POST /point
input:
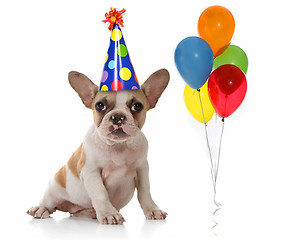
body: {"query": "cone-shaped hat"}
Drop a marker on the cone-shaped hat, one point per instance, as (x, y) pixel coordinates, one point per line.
(118, 73)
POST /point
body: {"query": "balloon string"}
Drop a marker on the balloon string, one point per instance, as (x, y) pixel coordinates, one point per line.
(208, 145)
(218, 205)
(219, 149)
(214, 165)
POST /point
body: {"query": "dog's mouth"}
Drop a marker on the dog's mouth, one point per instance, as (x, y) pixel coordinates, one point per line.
(117, 132)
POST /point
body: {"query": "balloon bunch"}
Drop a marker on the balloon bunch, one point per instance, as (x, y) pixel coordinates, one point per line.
(211, 56)
(213, 70)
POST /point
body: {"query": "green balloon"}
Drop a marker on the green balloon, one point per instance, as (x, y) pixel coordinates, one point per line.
(232, 55)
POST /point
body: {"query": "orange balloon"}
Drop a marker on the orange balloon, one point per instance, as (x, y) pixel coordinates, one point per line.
(216, 26)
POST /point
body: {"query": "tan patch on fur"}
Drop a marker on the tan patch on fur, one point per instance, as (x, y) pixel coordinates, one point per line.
(108, 98)
(139, 96)
(60, 177)
(77, 161)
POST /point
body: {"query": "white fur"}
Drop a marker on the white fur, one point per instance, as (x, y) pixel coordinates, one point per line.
(121, 99)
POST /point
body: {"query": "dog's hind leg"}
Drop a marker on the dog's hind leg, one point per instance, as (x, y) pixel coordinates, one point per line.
(87, 212)
(53, 196)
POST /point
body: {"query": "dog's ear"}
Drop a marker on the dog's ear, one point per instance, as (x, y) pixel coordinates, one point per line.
(83, 86)
(155, 85)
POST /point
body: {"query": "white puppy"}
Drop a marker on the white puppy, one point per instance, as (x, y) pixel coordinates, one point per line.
(100, 177)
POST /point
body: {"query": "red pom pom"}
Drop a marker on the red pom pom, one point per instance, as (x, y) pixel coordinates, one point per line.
(114, 16)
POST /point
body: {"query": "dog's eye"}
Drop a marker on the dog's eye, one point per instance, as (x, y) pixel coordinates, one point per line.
(100, 106)
(137, 107)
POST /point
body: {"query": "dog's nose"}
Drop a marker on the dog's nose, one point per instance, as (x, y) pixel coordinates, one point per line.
(118, 119)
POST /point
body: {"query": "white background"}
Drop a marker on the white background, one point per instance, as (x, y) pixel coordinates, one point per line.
(43, 120)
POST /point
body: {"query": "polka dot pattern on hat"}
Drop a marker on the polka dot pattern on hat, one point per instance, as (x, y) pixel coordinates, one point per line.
(118, 73)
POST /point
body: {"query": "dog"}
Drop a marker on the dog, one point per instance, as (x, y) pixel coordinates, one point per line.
(102, 174)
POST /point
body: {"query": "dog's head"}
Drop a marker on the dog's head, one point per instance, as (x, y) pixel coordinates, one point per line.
(120, 115)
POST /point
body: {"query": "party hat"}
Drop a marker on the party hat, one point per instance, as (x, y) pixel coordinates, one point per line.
(118, 72)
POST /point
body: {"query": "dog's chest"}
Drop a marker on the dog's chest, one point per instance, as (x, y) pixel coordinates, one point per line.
(120, 165)
(113, 174)
(119, 180)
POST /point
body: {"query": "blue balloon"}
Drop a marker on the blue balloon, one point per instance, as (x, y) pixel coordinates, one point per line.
(194, 61)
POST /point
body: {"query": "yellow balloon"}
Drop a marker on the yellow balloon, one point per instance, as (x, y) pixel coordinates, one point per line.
(193, 105)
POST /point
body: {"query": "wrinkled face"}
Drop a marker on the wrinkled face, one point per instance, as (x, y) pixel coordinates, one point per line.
(119, 115)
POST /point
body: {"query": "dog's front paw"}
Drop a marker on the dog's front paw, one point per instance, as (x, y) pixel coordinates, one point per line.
(155, 214)
(111, 216)
(39, 212)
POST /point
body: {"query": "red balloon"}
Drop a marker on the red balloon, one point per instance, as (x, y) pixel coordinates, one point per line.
(227, 88)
